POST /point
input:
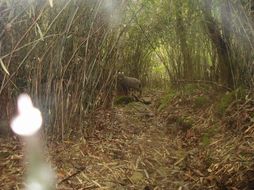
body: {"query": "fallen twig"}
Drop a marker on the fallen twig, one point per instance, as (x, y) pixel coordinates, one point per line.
(72, 175)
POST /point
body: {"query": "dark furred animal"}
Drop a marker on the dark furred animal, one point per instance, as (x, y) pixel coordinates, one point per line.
(128, 83)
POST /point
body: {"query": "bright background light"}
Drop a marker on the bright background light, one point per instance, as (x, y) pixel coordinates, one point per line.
(29, 119)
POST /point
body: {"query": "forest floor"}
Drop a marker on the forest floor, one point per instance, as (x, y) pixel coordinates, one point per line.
(180, 144)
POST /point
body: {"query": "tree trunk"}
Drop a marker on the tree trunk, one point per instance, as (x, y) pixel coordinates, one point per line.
(181, 32)
(220, 43)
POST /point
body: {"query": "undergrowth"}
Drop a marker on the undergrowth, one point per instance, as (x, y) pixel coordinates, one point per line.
(221, 133)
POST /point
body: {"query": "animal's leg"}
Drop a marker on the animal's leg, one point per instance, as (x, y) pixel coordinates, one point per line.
(126, 91)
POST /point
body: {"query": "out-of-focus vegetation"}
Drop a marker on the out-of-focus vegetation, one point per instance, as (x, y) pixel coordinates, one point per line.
(63, 56)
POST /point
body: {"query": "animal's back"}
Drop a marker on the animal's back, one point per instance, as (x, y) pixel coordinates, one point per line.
(132, 83)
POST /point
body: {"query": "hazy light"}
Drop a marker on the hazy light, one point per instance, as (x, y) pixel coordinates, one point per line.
(34, 186)
(113, 13)
(40, 174)
(46, 174)
(29, 119)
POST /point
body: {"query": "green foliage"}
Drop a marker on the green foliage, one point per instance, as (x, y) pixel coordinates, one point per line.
(227, 98)
(205, 139)
(241, 93)
(166, 99)
(186, 90)
(184, 123)
(224, 102)
(208, 134)
(194, 89)
(176, 123)
(189, 89)
(173, 36)
(157, 67)
(201, 101)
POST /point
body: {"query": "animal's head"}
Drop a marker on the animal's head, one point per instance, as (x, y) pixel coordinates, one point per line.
(120, 75)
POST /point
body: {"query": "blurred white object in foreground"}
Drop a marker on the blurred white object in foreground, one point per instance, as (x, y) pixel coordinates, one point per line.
(29, 119)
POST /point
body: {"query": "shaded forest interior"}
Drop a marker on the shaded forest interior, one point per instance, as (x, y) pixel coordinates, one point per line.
(144, 94)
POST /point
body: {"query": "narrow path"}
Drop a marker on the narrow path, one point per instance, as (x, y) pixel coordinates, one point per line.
(131, 151)
(126, 148)
(132, 147)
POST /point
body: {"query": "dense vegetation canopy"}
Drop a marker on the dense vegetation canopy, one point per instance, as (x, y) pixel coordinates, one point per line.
(67, 55)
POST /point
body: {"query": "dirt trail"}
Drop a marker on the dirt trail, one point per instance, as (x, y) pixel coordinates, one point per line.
(130, 151)
(133, 147)
(126, 148)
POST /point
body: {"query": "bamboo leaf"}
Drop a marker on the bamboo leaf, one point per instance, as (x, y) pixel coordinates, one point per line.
(3, 66)
(40, 32)
(51, 3)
